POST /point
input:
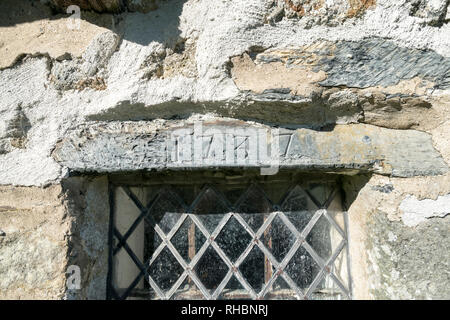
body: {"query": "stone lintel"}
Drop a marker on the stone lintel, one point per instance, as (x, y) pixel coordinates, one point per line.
(131, 146)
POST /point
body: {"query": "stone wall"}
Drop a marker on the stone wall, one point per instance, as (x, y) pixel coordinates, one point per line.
(394, 256)
(45, 230)
(363, 85)
(88, 208)
(33, 242)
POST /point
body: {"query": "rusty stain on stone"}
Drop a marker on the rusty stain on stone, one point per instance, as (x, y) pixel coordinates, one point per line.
(299, 6)
(358, 7)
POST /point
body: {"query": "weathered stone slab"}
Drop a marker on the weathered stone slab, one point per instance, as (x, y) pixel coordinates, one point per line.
(130, 146)
(376, 62)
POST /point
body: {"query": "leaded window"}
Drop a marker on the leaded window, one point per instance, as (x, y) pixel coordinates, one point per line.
(231, 237)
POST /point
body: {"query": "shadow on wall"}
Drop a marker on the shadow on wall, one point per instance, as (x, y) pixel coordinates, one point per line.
(160, 25)
(141, 28)
(13, 12)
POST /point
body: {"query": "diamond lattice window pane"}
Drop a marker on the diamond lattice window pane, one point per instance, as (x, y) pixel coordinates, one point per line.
(254, 200)
(167, 220)
(233, 239)
(278, 239)
(300, 219)
(319, 238)
(127, 271)
(302, 268)
(296, 200)
(211, 269)
(248, 239)
(210, 202)
(188, 240)
(253, 268)
(164, 208)
(254, 220)
(210, 207)
(165, 270)
(210, 221)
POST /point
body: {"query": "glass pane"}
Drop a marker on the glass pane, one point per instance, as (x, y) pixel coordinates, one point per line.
(300, 219)
(319, 238)
(302, 268)
(278, 239)
(125, 271)
(165, 270)
(211, 269)
(254, 201)
(163, 209)
(210, 221)
(339, 268)
(232, 192)
(295, 201)
(188, 240)
(168, 220)
(233, 239)
(209, 208)
(252, 268)
(128, 211)
(210, 202)
(254, 220)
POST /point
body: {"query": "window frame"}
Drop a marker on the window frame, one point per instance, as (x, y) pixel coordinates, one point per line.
(141, 180)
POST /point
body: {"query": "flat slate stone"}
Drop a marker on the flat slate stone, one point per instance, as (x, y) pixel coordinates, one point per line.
(130, 146)
(377, 62)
